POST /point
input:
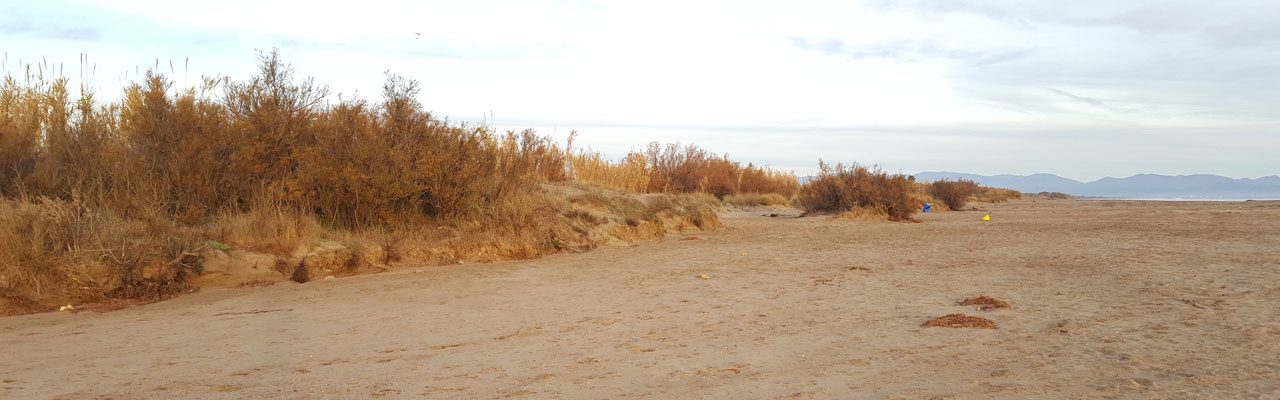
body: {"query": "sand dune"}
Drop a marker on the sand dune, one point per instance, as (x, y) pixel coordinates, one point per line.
(1108, 300)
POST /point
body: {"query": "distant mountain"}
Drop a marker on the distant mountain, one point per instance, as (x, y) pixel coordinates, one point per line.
(1141, 186)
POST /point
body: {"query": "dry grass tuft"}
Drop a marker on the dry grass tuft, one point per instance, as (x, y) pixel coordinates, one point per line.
(268, 228)
(49, 246)
(676, 168)
(959, 321)
(757, 199)
(985, 303)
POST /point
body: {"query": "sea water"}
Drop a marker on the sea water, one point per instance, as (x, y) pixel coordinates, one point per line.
(1223, 199)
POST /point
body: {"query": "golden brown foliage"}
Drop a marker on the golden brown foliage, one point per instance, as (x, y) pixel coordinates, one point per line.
(60, 250)
(114, 199)
(192, 155)
(757, 199)
(673, 168)
(840, 189)
(629, 174)
(953, 193)
(688, 169)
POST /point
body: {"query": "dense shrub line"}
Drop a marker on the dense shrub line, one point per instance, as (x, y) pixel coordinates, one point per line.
(92, 193)
(193, 153)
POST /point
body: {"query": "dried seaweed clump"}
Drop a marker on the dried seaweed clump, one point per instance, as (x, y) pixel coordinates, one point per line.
(959, 321)
(985, 303)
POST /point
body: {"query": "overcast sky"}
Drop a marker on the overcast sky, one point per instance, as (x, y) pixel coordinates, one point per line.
(1080, 88)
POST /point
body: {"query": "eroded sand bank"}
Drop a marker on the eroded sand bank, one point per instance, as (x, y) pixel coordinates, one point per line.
(1109, 299)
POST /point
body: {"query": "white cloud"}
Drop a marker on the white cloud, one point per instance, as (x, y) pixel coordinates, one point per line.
(930, 84)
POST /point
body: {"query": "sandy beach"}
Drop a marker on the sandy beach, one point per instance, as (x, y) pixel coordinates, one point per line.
(1110, 299)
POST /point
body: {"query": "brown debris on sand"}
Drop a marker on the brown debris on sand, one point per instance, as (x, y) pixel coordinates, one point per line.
(691, 238)
(257, 283)
(959, 321)
(985, 303)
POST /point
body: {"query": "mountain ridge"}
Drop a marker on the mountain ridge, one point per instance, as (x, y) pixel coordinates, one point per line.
(1206, 186)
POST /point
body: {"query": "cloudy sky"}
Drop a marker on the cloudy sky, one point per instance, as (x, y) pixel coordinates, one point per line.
(1080, 88)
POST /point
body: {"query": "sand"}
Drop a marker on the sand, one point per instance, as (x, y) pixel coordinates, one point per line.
(1108, 300)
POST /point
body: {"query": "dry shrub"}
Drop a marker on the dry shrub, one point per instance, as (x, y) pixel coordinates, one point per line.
(390, 243)
(992, 195)
(756, 179)
(953, 193)
(1053, 195)
(690, 169)
(840, 189)
(985, 303)
(757, 199)
(959, 321)
(676, 168)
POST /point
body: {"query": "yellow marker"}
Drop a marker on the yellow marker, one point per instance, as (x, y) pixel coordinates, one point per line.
(986, 217)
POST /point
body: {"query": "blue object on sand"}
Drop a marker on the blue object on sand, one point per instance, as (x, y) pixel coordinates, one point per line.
(927, 207)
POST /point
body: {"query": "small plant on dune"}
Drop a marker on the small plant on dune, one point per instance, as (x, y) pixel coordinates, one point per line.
(1053, 195)
(953, 193)
(391, 245)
